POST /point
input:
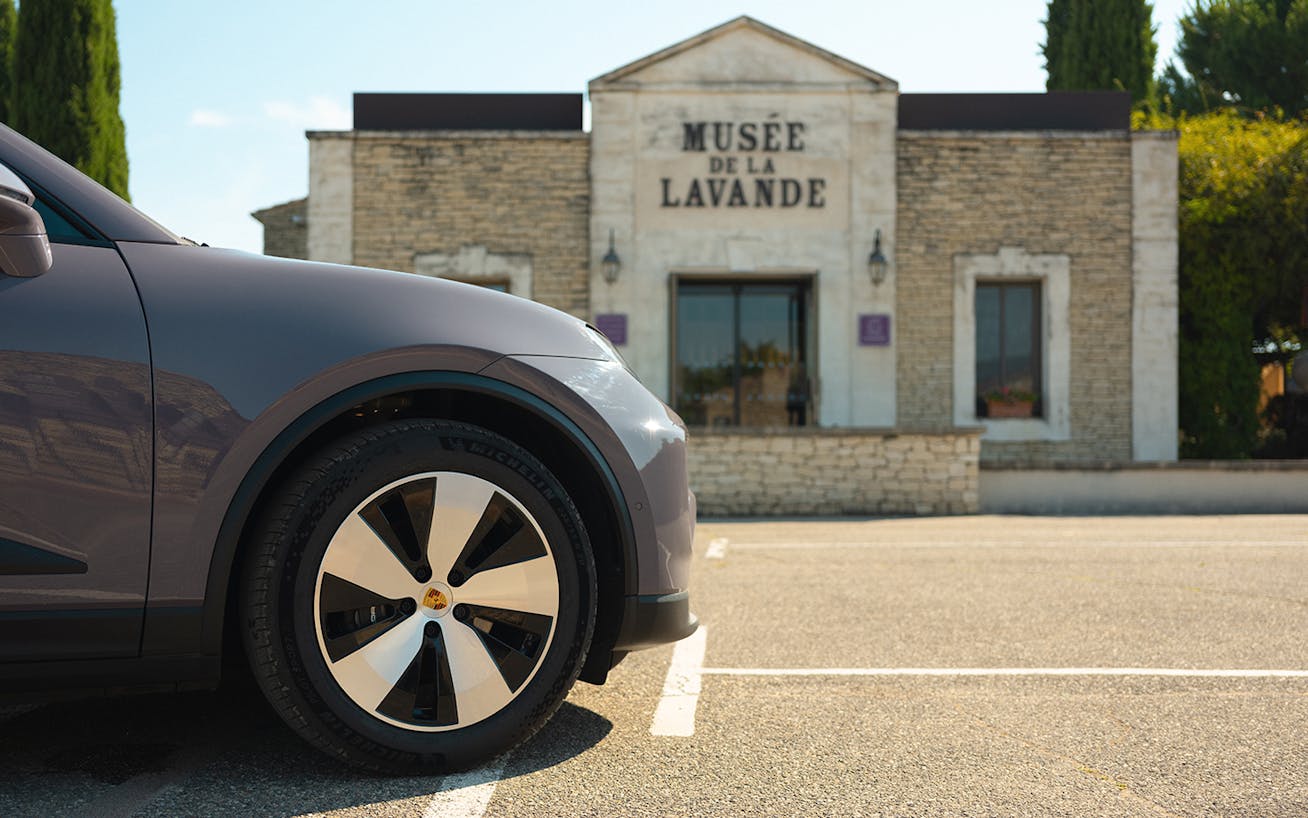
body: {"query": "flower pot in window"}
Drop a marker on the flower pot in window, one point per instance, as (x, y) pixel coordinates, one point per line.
(1009, 409)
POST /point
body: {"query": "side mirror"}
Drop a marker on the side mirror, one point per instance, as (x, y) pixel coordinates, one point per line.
(24, 247)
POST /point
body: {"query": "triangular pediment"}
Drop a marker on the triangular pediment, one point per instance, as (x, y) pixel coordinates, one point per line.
(739, 52)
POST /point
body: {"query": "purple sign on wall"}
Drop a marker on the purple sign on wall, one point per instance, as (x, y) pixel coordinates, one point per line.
(614, 327)
(874, 330)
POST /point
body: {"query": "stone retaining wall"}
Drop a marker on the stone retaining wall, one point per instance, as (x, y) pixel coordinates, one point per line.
(1114, 487)
(756, 472)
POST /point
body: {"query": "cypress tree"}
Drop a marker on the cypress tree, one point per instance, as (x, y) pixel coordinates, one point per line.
(1056, 47)
(66, 84)
(1093, 45)
(8, 19)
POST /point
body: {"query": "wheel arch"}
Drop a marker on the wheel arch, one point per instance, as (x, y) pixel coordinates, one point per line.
(511, 411)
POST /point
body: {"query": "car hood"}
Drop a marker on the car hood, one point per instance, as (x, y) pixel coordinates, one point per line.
(255, 328)
(375, 309)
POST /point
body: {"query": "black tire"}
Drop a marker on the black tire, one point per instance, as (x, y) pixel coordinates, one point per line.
(315, 643)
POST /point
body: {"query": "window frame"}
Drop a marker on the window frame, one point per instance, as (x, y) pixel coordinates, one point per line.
(1054, 271)
(90, 236)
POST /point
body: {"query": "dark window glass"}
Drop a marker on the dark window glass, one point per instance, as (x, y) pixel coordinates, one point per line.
(1008, 349)
(58, 228)
(498, 285)
(743, 354)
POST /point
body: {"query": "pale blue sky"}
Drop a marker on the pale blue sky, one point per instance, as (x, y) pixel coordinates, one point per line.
(217, 96)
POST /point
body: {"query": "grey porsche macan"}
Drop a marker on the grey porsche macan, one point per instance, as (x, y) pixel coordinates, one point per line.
(421, 509)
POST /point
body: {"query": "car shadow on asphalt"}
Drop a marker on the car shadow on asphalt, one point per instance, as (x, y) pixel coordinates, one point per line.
(223, 753)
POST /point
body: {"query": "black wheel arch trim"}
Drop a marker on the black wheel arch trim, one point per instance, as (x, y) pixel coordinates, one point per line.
(260, 476)
(648, 621)
(651, 620)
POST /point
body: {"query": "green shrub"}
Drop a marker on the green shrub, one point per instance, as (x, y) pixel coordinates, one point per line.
(1243, 266)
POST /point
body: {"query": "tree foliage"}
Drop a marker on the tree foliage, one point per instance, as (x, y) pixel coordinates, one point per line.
(1249, 53)
(66, 86)
(1243, 266)
(1100, 45)
(8, 21)
(1179, 93)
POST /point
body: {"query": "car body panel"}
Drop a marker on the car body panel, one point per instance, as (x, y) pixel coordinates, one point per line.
(652, 439)
(75, 459)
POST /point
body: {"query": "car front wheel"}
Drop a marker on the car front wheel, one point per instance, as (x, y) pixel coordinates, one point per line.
(420, 596)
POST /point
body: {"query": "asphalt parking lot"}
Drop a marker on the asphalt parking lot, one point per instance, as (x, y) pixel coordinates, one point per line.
(901, 667)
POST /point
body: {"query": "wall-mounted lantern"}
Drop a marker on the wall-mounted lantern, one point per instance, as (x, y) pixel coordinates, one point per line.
(611, 264)
(877, 264)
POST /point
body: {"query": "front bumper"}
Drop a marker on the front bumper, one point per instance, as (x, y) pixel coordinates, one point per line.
(653, 620)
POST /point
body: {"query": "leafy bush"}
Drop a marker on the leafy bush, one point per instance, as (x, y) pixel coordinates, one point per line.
(1243, 266)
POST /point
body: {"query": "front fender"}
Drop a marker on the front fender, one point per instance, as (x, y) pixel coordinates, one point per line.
(191, 619)
(243, 350)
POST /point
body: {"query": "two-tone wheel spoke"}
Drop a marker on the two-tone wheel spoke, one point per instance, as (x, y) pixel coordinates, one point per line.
(480, 688)
(531, 587)
(425, 692)
(460, 505)
(363, 589)
(502, 536)
(368, 674)
(358, 555)
(350, 616)
(515, 640)
(402, 518)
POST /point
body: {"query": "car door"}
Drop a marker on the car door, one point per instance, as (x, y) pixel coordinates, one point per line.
(75, 451)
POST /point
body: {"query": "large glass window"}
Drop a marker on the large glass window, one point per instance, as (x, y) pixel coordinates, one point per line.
(743, 353)
(1008, 350)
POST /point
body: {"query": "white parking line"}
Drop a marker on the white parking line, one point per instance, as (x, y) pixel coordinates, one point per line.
(817, 545)
(466, 795)
(675, 715)
(1225, 673)
(717, 549)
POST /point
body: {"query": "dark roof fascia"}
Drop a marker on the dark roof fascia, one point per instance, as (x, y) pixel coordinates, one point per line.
(1052, 111)
(467, 112)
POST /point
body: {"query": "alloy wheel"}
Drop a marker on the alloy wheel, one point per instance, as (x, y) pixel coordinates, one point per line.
(436, 601)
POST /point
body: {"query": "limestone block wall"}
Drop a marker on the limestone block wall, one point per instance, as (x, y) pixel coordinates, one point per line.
(285, 229)
(1055, 193)
(513, 193)
(834, 471)
(331, 197)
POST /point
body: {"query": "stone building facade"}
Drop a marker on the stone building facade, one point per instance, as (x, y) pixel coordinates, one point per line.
(499, 207)
(285, 229)
(854, 296)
